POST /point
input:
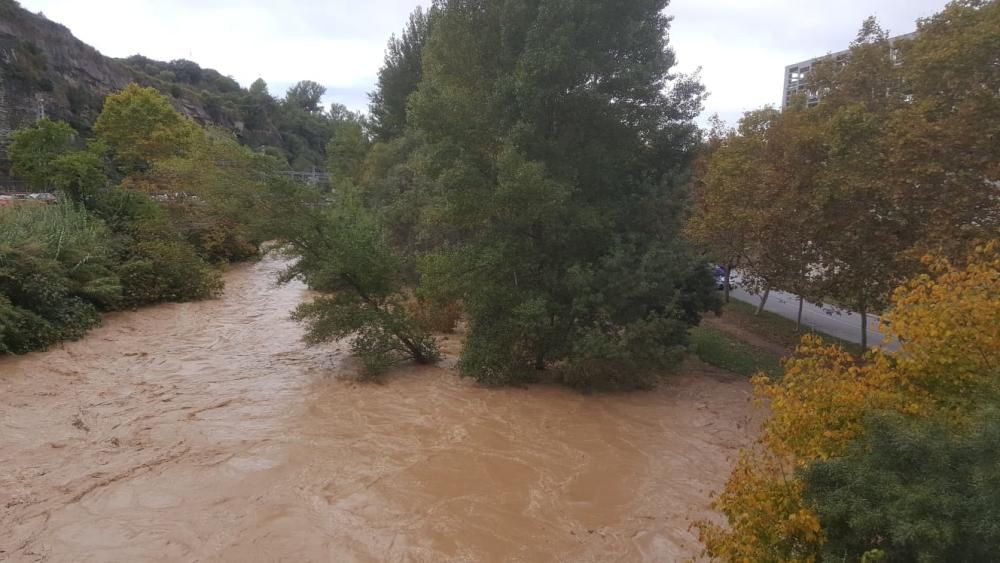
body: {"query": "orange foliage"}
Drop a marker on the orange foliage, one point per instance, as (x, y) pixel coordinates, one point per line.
(948, 323)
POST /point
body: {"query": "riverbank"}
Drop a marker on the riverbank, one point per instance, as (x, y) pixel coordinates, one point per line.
(208, 431)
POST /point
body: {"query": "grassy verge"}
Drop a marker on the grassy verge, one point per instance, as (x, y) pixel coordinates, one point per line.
(776, 328)
(725, 351)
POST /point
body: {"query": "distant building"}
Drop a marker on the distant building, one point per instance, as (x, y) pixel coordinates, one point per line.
(795, 74)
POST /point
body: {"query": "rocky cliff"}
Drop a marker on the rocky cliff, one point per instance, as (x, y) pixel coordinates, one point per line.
(46, 71)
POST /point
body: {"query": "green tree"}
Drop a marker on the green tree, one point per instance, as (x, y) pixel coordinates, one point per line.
(729, 197)
(306, 95)
(47, 156)
(394, 186)
(259, 113)
(79, 175)
(140, 126)
(259, 88)
(33, 149)
(560, 146)
(788, 224)
(915, 490)
(340, 250)
(399, 76)
(305, 128)
(219, 179)
(346, 152)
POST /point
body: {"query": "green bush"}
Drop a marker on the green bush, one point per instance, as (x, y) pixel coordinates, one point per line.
(913, 490)
(383, 334)
(341, 250)
(155, 264)
(56, 273)
(33, 150)
(167, 271)
(60, 266)
(632, 357)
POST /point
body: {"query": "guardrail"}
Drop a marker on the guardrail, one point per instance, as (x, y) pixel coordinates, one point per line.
(8, 199)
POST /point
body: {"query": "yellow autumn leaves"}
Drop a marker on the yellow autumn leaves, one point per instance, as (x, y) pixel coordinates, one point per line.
(948, 325)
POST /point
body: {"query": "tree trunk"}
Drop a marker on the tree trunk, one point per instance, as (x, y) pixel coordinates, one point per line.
(540, 362)
(798, 319)
(415, 352)
(727, 284)
(864, 327)
(763, 300)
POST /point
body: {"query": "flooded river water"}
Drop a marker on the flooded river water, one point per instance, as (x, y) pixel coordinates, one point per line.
(208, 432)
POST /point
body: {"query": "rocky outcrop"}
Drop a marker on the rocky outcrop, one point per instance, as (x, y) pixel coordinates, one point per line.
(46, 71)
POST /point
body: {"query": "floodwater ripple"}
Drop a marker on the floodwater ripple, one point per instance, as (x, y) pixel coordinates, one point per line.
(208, 432)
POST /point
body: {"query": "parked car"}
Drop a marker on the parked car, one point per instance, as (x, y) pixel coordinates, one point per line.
(720, 277)
(44, 197)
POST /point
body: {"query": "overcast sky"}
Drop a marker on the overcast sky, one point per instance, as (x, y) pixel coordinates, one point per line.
(742, 46)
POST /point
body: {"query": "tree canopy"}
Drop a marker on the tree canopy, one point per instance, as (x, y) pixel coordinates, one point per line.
(33, 149)
(400, 75)
(557, 151)
(883, 456)
(840, 200)
(139, 126)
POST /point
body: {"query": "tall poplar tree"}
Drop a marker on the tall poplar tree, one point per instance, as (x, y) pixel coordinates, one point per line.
(399, 76)
(861, 258)
(558, 144)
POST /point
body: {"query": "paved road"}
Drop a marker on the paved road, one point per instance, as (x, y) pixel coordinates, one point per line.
(841, 323)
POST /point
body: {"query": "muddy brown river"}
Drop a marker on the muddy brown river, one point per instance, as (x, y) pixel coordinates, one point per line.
(209, 432)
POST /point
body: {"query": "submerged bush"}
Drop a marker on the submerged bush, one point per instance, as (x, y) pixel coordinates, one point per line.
(435, 315)
(166, 271)
(383, 334)
(341, 250)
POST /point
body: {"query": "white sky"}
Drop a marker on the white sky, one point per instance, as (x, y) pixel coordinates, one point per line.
(741, 45)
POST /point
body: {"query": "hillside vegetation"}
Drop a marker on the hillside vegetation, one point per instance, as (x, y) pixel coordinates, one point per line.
(42, 63)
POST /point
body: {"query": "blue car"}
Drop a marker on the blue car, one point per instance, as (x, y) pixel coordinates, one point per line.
(720, 277)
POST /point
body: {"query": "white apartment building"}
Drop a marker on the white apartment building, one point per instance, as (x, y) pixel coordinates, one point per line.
(795, 74)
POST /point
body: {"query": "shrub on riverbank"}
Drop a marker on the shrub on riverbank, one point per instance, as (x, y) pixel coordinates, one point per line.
(56, 273)
(61, 265)
(153, 259)
(116, 241)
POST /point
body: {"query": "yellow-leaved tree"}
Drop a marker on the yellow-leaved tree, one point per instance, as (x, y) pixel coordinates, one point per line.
(948, 324)
(139, 126)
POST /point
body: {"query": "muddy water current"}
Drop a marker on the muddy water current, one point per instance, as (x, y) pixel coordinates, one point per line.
(209, 432)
